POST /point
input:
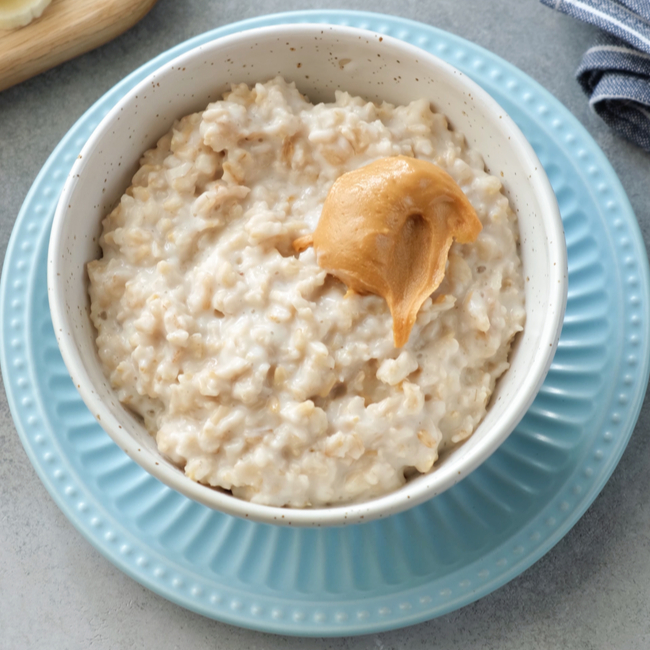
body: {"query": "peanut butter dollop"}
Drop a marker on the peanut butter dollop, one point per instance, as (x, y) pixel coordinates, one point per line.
(387, 228)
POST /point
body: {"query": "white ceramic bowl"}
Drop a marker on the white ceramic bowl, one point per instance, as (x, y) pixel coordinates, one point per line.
(305, 54)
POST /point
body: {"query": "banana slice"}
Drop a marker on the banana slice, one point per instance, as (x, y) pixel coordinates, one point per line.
(18, 13)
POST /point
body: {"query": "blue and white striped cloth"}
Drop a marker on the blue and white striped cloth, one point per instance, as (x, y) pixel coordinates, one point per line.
(615, 72)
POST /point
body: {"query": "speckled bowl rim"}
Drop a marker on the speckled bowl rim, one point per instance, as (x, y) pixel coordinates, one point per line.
(393, 502)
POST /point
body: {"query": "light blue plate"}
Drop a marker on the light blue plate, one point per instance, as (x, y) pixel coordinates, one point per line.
(413, 566)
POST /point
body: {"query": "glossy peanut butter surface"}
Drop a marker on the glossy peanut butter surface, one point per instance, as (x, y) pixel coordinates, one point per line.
(386, 228)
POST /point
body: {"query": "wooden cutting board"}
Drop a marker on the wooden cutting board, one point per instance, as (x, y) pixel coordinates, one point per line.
(67, 28)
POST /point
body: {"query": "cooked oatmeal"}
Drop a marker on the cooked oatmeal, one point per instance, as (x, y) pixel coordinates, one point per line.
(255, 370)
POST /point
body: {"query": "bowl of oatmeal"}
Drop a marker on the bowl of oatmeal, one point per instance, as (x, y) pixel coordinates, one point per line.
(307, 275)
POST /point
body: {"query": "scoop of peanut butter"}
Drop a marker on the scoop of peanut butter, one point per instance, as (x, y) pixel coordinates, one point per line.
(387, 228)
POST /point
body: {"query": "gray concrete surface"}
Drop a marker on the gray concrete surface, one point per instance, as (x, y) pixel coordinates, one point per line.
(592, 591)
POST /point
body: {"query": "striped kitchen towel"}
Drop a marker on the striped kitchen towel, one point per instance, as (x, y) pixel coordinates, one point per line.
(615, 72)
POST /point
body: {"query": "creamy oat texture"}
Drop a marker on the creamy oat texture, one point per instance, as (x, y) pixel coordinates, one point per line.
(251, 366)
